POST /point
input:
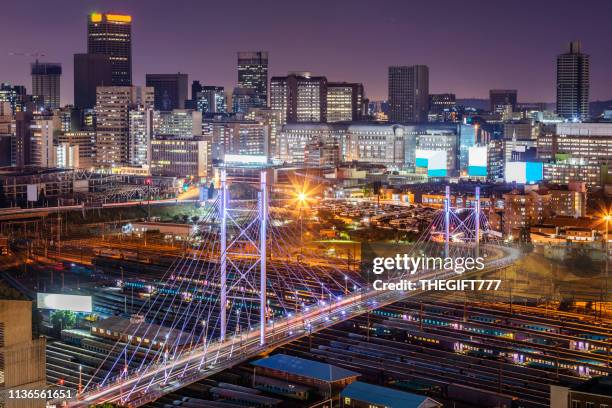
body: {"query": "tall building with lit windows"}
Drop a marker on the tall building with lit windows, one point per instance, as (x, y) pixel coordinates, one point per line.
(300, 97)
(111, 34)
(573, 83)
(113, 106)
(46, 84)
(344, 101)
(253, 74)
(408, 93)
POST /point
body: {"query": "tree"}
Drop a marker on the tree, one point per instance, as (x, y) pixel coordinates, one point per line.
(63, 319)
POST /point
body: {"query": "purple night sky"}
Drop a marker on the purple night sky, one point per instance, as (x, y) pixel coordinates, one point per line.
(470, 45)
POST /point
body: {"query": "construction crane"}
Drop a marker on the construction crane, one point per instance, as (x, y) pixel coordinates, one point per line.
(28, 54)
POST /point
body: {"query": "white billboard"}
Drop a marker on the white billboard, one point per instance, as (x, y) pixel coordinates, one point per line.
(57, 301)
(32, 192)
(433, 160)
(477, 161)
(523, 172)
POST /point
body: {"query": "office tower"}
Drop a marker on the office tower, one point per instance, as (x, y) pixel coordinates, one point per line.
(111, 34)
(113, 105)
(244, 99)
(90, 71)
(500, 99)
(300, 97)
(183, 123)
(273, 121)
(170, 90)
(211, 99)
(408, 93)
(442, 106)
(76, 149)
(177, 157)
(573, 83)
(192, 103)
(43, 129)
(230, 136)
(23, 138)
(46, 84)
(14, 95)
(141, 132)
(253, 74)
(344, 102)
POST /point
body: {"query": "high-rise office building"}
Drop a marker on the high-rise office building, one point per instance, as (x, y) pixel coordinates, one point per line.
(111, 34)
(170, 90)
(44, 127)
(442, 106)
(90, 71)
(573, 83)
(113, 105)
(210, 99)
(408, 93)
(500, 99)
(300, 97)
(76, 149)
(244, 99)
(344, 102)
(15, 95)
(253, 73)
(272, 120)
(46, 84)
(177, 157)
(21, 149)
(185, 123)
(140, 135)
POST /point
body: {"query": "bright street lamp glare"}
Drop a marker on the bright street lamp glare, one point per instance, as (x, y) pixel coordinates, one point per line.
(302, 196)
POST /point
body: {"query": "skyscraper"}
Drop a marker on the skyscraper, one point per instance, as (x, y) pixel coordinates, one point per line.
(573, 83)
(300, 97)
(253, 73)
(211, 99)
(46, 84)
(500, 99)
(90, 71)
(344, 101)
(113, 106)
(170, 90)
(111, 34)
(408, 93)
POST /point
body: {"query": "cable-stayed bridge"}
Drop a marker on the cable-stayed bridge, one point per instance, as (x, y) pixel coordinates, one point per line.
(252, 285)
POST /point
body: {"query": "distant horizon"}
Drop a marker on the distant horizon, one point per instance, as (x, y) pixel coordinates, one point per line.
(469, 49)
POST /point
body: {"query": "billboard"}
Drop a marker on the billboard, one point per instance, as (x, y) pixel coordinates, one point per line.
(32, 192)
(477, 161)
(433, 160)
(58, 301)
(524, 172)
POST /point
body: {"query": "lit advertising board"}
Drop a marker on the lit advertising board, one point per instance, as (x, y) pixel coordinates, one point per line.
(57, 301)
(433, 160)
(477, 161)
(524, 172)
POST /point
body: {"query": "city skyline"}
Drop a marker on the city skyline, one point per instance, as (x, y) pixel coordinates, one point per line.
(527, 61)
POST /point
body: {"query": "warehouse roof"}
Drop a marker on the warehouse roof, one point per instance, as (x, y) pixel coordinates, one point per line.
(305, 368)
